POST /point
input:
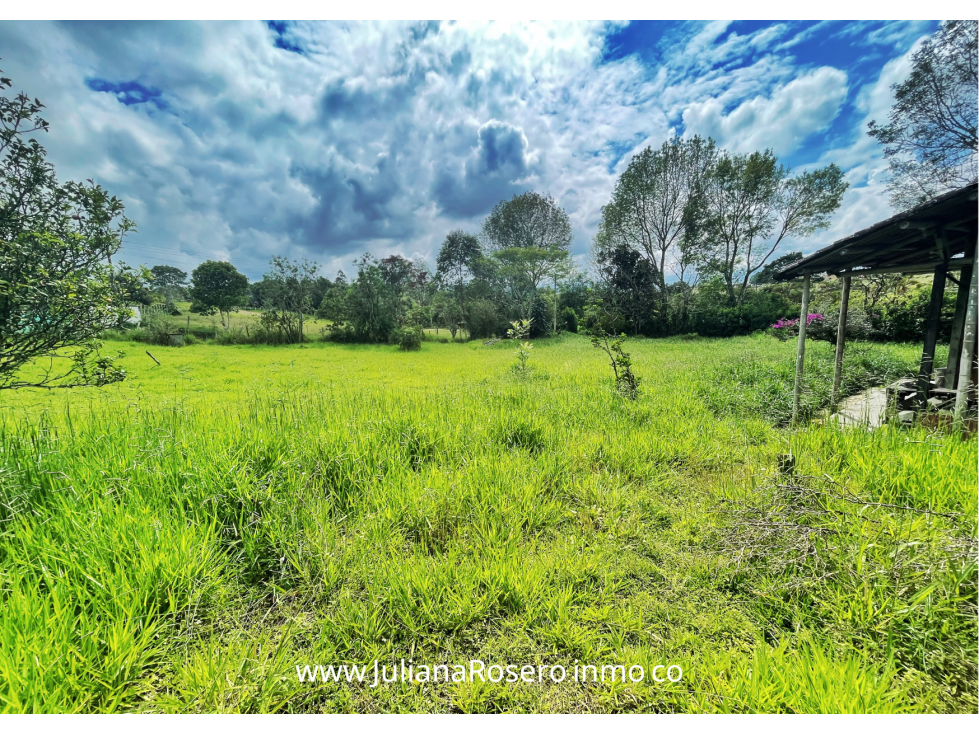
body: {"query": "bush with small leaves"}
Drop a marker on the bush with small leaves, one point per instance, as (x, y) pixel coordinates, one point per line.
(625, 381)
(518, 331)
(570, 318)
(408, 338)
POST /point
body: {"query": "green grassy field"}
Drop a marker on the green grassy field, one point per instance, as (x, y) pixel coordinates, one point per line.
(183, 540)
(196, 321)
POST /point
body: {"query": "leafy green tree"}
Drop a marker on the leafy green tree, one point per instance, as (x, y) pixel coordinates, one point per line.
(576, 292)
(287, 296)
(540, 318)
(746, 205)
(258, 293)
(930, 137)
(523, 269)
(629, 286)
(447, 312)
(484, 319)
(217, 287)
(569, 320)
(57, 291)
(767, 273)
(371, 302)
(333, 306)
(646, 213)
(321, 287)
(406, 283)
(168, 282)
(458, 262)
(530, 237)
(133, 285)
(458, 259)
(409, 335)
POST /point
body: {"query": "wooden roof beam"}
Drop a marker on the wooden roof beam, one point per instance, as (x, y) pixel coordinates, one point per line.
(929, 267)
(917, 224)
(876, 252)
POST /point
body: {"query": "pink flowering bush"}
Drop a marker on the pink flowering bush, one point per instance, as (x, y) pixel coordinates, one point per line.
(784, 328)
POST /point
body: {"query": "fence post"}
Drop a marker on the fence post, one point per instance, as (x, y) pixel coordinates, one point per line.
(800, 357)
(840, 340)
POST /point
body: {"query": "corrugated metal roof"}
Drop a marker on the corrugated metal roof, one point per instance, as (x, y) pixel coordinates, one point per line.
(908, 242)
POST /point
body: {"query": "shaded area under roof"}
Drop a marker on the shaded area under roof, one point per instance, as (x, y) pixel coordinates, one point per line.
(909, 242)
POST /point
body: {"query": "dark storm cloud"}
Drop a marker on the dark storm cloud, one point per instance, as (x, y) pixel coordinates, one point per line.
(493, 171)
(282, 39)
(502, 151)
(129, 93)
(351, 207)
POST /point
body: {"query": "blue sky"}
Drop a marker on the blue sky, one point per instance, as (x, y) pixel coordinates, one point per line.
(246, 140)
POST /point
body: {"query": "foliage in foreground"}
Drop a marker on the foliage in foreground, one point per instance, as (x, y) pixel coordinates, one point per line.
(183, 540)
(57, 285)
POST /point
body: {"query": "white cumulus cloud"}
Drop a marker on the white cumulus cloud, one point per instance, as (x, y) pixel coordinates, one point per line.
(781, 121)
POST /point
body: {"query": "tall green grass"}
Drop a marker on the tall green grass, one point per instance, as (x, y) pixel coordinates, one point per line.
(751, 379)
(181, 541)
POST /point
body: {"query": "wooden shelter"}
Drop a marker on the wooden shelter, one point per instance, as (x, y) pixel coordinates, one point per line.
(937, 237)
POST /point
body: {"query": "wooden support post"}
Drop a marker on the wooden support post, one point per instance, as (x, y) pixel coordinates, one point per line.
(958, 327)
(841, 340)
(964, 382)
(931, 334)
(800, 357)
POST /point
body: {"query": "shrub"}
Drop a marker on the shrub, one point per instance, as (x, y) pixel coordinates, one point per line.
(518, 333)
(408, 338)
(118, 335)
(858, 326)
(483, 320)
(626, 381)
(339, 332)
(903, 318)
(785, 329)
(760, 309)
(598, 316)
(155, 329)
(540, 322)
(570, 319)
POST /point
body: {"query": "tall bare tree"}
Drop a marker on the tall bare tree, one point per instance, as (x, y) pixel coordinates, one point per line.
(746, 205)
(930, 135)
(646, 213)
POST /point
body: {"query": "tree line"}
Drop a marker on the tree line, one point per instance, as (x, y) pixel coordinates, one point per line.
(688, 226)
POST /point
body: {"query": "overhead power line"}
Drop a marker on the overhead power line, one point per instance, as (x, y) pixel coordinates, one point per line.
(191, 253)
